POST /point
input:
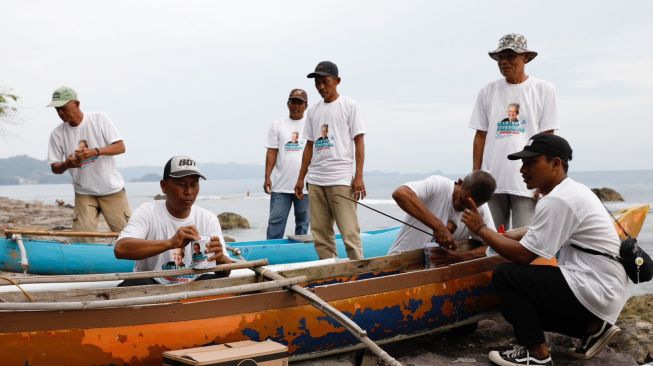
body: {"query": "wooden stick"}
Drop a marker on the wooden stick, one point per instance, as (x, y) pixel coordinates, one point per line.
(150, 300)
(10, 231)
(338, 316)
(133, 275)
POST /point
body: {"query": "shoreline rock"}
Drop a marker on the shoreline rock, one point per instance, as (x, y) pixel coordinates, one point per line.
(607, 194)
(230, 220)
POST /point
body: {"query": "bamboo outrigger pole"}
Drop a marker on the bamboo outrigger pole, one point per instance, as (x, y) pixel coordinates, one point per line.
(95, 234)
(326, 308)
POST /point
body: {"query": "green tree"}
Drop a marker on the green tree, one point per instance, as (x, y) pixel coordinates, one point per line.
(8, 111)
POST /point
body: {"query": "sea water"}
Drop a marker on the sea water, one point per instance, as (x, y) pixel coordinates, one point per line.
(246, 197)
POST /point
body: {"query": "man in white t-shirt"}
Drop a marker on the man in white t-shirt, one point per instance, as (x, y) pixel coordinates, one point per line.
(581, 297)
(85, 145)
(282, 163)
(158, 228)
(333, 165)
(507, 112)
(435, 205)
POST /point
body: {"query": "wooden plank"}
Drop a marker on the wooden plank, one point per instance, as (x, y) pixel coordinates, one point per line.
(27, 231)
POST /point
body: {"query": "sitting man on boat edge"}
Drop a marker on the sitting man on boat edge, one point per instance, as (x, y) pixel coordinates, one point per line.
(157, 228)
(582, 296)
(438, 202)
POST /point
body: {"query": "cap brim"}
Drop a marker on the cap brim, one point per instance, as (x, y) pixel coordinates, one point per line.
(523, 154)
(298, 98)
(495, 54)
(318, 73)
(185, 173)
(58, 103)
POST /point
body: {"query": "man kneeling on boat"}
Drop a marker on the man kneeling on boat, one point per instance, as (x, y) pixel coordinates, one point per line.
(438, 202)
(581, 297)
(158, 228)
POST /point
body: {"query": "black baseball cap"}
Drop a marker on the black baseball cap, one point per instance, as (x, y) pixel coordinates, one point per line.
(544, 144)
(324, 68)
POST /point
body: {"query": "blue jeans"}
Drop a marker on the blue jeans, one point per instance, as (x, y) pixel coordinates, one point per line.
(280, 208)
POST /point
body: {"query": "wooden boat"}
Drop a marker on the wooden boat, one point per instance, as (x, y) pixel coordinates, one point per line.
(51, 257)
(391, 298)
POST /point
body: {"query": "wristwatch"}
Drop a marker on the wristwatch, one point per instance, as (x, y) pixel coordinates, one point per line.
(97, 151)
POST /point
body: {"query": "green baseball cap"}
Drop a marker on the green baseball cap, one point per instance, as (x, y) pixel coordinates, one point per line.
(61, 96)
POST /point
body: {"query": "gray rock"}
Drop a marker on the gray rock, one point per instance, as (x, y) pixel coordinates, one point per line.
(159, 197)
(607, 194)
(229, 239)
(230, 220)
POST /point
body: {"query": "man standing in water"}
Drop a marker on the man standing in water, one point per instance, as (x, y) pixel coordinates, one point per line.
(282, 162)
(333, 165)
(531, 106)
(85, 144)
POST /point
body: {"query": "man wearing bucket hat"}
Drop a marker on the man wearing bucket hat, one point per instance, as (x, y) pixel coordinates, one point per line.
(530, 104)
(282, 162)
(333, 165)
(85, 145)
(582, 296)
(158, 228)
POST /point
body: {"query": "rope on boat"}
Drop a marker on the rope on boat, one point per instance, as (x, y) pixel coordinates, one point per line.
(19, 287)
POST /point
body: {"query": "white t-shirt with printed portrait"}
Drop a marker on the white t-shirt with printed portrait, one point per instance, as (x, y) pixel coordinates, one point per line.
(507, 133)
(98, 176)
(436, 192)
(572, 214)
(285, 134)
(332, 128)
(152, 221)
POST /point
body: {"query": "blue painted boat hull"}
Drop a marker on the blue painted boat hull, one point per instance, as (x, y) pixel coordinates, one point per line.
(54, 258)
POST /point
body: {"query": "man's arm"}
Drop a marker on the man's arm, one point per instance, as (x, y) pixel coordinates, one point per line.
(270, 161)
(412, 205)
(358, 185)
(479, 147)
(115, 148)
(506, 246)
(71, 161)
(307, 156)
(136, 248)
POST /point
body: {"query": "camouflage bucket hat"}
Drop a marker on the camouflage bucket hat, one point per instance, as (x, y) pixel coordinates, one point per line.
(515, 42)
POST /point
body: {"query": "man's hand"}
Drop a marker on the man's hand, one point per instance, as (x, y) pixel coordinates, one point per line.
(267, 185)
(299, 189)
(358, 186)
(472, 218)
(86, 153)
(72, 161)
(215, 247)
(439, 257)
(444, 238)
(183, 236)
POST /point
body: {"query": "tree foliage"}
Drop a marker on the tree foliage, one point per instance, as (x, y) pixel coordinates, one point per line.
(8, 110)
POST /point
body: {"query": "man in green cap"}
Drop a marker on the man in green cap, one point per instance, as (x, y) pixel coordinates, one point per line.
(85, 145)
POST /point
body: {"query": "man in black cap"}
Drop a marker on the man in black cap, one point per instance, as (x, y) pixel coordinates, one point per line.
(282, 162)
(333, 165)
(581, 297)
(531, 107)
(158, 228)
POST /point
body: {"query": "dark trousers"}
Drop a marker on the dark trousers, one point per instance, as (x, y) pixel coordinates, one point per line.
(535, 299)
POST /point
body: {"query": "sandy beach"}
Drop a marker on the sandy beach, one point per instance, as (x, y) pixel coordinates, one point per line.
(458, 347)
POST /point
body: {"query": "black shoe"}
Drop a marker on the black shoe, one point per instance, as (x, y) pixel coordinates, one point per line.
(593, 344)
(518, 356)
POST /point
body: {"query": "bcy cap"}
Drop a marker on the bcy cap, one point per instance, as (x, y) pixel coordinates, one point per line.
(181, 166)
(62, 96)
(544, 144)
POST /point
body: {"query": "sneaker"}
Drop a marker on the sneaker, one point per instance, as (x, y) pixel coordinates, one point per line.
(593, 344)
(518, 356)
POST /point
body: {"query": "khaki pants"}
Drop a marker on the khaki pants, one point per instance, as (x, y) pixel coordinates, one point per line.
(114, 208)
(325, 206)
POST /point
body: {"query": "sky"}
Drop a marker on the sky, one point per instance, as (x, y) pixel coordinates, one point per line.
(207, 78)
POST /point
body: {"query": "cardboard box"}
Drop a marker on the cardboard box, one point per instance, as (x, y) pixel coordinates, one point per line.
(245, 353)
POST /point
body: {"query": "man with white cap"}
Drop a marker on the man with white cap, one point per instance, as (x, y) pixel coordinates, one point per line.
(85, 145)
(530, 104)
(158, 228)
(282, 162)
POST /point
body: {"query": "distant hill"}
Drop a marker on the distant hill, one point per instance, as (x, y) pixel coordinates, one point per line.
(27, 170)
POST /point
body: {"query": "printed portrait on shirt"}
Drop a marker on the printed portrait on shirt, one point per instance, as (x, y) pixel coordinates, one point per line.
(324, 142)
(294, 144)
(511, 125)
